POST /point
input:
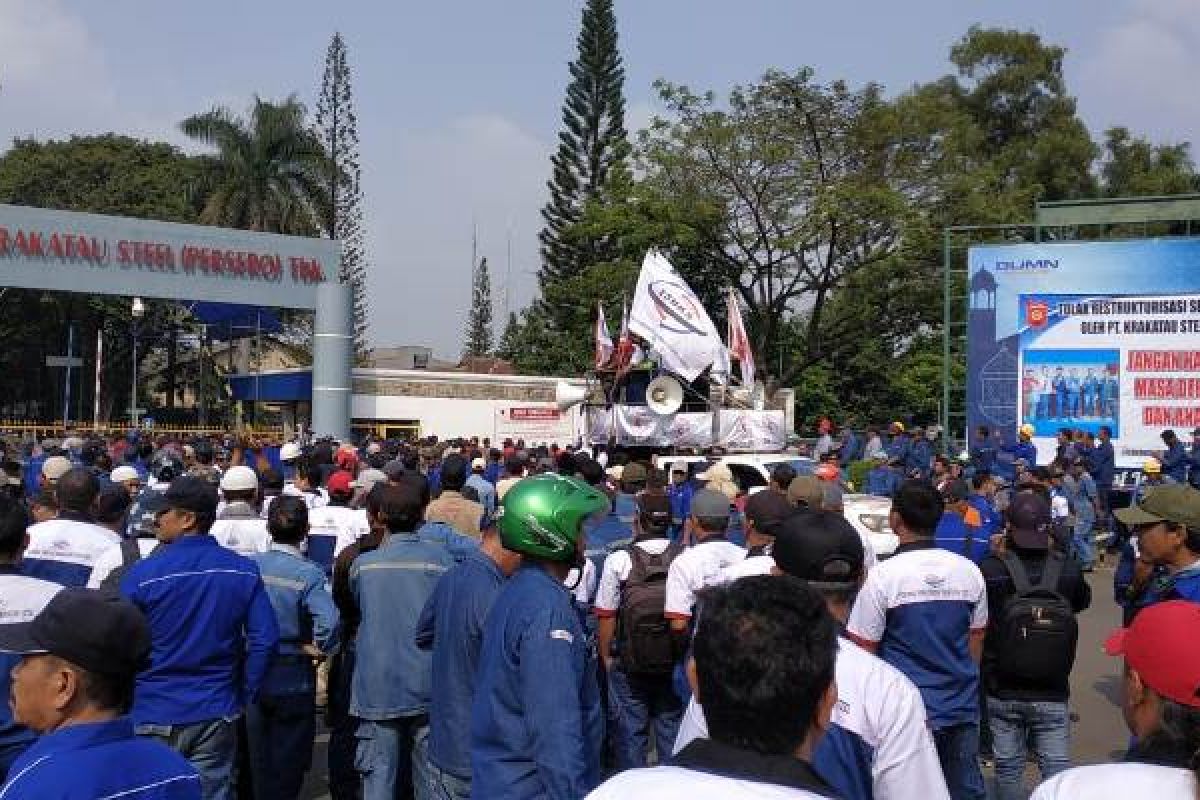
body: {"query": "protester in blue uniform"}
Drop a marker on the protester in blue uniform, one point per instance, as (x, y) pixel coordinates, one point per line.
(281, 724)
(1087, 505)
(1174, 458)
(73, 687)
(1023, 449)
(897, 443)
(24, 597)
(882, 479)
(452, 625)
(983, 451)
(958, 530)
(536, 720)
(983, 499)
(212, 631)
(920, 456)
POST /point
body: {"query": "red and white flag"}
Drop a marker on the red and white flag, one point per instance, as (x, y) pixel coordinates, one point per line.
(625, 346)
(739, 342)
(604, 342)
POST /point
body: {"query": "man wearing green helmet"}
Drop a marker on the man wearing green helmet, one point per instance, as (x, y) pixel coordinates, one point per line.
(536, 721)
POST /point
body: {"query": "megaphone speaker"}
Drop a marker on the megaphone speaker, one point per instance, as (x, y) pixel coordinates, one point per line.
(567, 396)
(664, 395)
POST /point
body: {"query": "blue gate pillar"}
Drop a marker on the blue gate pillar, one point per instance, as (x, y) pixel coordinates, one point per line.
(333, 361)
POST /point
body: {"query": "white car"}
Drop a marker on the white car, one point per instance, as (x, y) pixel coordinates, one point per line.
(867, 513)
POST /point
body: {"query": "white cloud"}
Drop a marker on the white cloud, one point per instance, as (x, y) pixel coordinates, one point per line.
(1142, 72)
(424, 191)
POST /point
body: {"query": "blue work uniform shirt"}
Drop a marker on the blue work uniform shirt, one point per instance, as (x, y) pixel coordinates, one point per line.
(100, 760)
(882, 481)
(536, 721)
(954, 534)
(391, 585)
(212, 632)
(305, 614)
(990, 519)
(1175, 463)
(1103, 465)
(452, 625)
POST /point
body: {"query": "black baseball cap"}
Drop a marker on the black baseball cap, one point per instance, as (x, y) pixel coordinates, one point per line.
(767, 509)
(955, 491)
(654, 512)
(189, 493)
(820, 547)
(96, 631)
(1029, 520)
(145, 514)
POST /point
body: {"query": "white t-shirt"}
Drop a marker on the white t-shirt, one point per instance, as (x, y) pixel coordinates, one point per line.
(750, 565)
(344, 524)
(111, 559)
(243, 536)
(64, 551)
(22, 598)
(879, 714)
(616, 571)
(699, 567)
(677, 783)
(1125, 781)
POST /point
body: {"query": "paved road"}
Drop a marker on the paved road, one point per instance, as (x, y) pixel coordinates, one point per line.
(1098, 735)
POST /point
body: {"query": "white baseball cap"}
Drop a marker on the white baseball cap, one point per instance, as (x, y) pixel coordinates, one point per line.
(239, 479)
(55, 467)
(478, 463)
(123, 473)
(289, 452)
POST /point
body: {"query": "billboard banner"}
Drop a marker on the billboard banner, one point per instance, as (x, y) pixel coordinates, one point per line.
(1086, 335)
(535, 424)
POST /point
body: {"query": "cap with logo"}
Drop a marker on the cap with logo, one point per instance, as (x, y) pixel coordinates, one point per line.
(96, 631)
(767, 510)
(239, 479)
(189, 493)
(820, 547)
(55, 467)
(1177, 503)
(1163, 646)
(1029, 520)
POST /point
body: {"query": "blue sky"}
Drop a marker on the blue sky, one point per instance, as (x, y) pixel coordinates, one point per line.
(459, 101)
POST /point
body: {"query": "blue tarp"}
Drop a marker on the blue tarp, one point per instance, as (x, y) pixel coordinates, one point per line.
(244, 320)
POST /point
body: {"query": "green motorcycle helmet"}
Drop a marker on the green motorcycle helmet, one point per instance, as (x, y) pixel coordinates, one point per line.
(543, 516)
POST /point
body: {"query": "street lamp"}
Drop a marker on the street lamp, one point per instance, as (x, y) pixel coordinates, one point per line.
(138, 310)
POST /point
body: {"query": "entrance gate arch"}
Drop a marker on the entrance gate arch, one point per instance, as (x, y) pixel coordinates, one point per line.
(69, 251)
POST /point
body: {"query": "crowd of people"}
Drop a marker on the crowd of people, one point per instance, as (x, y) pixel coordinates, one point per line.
(177, 619)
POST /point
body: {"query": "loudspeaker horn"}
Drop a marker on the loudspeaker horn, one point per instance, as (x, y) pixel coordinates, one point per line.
(664, 395)
(567, 396)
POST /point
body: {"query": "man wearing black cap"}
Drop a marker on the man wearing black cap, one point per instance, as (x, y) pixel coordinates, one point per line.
(73, 686)
(1027, 677)
(212, 636)
(637, 650)
(878, 746)
(765, 512)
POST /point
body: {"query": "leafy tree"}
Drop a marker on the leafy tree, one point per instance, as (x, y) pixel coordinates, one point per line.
(270, 169)
(592, 149)
(479, 318)
(337, 130)
(1132, 166)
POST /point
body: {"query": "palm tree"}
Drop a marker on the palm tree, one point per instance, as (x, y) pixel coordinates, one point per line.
(268, 172)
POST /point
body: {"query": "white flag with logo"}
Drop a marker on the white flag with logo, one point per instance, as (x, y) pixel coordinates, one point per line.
(669, 316)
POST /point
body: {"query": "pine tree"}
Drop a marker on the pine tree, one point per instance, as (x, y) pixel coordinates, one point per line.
(479, 319)
(337, 126)
(593, 147)
(510, 339)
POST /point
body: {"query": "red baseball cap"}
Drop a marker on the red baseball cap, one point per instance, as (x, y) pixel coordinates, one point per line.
(339, 483)
(1163, 645)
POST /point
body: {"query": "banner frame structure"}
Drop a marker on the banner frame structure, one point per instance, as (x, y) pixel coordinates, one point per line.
(1097, 220)
(69, 251)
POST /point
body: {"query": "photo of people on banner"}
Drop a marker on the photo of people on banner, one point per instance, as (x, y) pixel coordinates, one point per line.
(1076, 388)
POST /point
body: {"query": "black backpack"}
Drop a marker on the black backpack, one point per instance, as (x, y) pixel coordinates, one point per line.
(643, 633)
(1037, 632)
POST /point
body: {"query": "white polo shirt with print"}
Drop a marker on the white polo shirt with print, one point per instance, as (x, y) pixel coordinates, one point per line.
(699, 567)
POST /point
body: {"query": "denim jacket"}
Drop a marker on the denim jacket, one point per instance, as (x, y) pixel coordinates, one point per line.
(536, 722)
(390, 587)
(305, 613)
